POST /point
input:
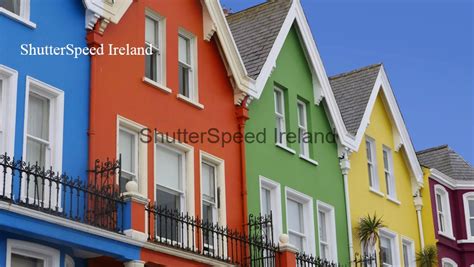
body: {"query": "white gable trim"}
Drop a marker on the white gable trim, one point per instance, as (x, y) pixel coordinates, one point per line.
(243, 84)
(401, 136)
(107, 10)
(450, 182)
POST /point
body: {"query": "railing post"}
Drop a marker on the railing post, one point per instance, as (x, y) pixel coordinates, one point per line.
(134, 213)
(287, 252)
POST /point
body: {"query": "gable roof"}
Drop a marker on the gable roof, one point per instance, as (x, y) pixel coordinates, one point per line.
(447, 161)
(352, 91)
(255, 30)
(356, 92)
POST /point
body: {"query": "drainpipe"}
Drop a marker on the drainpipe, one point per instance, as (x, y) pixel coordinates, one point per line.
(345, 167)
(93, 39)
(242, 114)
(418, 201)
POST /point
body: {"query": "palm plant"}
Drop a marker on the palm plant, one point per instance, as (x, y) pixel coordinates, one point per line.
(427, 257)
(368, 230)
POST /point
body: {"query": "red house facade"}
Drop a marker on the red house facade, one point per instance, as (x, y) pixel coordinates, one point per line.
(451, 184)
(167, 108)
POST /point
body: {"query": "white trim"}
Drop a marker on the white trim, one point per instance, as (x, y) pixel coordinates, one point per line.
(8, 90)
(219, 165)
(377, 192)
(331, 231)
(312, 161)
(275, 195)
(466, 197)
(50, 256)
(308, 221)
(412, 255)
(24, 16)
(450, 182)
(448, 261)
(142, 159)
(190, 101)
(161, 47)
(287, 149)
(193, 65)
(160, 86)
(393, 236)
(188, 156)
(444, 195)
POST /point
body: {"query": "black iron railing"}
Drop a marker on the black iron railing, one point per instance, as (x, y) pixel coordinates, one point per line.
(365, 260)
(182, 231)
(260, 231)
(305, 260)
(96, 202)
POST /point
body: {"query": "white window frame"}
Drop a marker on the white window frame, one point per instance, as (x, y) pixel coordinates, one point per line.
(23, 17)
(448, 261)
(193, 66)
(50, 256)
(142, 156)
(308, 213)
(466, 197)
(374, 179)
(275, 196)
(393, 237)
(188, 174)
(56, 124)
(444, 194)
(388, 170)
(331, 231)
(303, 128)
(411, 246)
(280, 116)
(160, 47)
(220, 189)
(9, 90)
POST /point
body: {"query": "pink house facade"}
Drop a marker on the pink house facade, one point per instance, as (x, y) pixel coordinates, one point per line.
(452, 197)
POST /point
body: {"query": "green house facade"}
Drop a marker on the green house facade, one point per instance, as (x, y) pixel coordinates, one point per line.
(293, 172)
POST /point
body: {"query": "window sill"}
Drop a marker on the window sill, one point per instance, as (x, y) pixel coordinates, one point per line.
(446, 235)
(157, 85)
(394, 200)
(466, 241)
(18, 18)
(314, 162)
(287, 149)
(377, 192)
(190, 101)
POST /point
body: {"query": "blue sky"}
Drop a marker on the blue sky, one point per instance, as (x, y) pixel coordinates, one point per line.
(428, 52)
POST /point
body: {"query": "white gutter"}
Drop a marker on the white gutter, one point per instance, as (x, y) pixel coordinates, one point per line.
(345, 165)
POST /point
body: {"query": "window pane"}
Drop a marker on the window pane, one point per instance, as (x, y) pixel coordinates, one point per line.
(385, 159)
(324, 251)
(165, 227)
(301, 115)
(266, 204)
(388, 183)
(11, 5)
(168, 168)
(151, 62)
(127, 149)
(184, 50)
(386, 250)
(38, 117)
(471, 222)
(184, 80)
(151, 30)
(295, 216)
(278, 102)
(322, 227)
(169, 200)
(208, 182)
(471, 207)
(35, 152)
(296, 241)
(439, 202)
(207, 216)
(368, 147)
(24, 261)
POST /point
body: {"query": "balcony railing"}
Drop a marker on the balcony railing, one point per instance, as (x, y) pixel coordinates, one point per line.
(305, 260)
(181, 231)
(95, 202)
(365, 260)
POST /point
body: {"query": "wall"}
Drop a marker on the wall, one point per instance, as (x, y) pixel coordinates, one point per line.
(323, 182)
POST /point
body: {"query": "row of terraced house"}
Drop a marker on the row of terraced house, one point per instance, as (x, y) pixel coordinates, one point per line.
(200, 137)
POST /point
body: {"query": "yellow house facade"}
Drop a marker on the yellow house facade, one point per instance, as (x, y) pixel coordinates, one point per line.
(383, 175)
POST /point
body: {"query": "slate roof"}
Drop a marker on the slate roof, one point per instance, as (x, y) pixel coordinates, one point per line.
(352, 92)
(255, 30)
(447, 161)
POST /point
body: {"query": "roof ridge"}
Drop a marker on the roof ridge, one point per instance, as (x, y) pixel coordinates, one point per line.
(433, 149)
(355, 71)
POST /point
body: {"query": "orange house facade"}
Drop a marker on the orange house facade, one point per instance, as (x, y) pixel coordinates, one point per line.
(163, 109)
